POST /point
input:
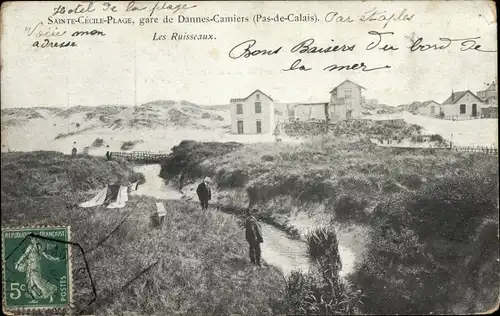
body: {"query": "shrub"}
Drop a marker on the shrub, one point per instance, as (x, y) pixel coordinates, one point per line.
(436, 138)
(98, 142)
(322, 246)
(321, 291)
(234, 179)
(267, 158)
(424, 258)
(350, 209)
(188, 155)
(205, 116)
(128, 145)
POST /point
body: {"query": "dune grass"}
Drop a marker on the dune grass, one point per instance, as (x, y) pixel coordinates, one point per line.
(348, 178)
(195, 263)
(427, 213)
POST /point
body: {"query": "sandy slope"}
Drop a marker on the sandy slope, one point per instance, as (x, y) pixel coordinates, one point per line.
(160, 125)
(479, 132)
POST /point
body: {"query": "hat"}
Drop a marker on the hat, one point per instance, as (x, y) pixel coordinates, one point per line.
(207, 179)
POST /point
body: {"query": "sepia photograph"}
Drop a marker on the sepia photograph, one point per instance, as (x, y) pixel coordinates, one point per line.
(249, 157)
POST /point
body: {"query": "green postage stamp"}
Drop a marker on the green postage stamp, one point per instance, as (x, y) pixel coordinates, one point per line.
(36, 264)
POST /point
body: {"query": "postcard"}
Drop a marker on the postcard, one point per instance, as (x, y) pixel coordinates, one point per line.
(249, 157)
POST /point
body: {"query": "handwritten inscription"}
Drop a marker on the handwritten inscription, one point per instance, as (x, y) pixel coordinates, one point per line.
(307, 47)
(40, 31)
(377, 44)
(46, 43)
(296, 65)
(466, 44)
(371, 16)
(245, 50)
(132, 6)
(375, 15)
(248, 49)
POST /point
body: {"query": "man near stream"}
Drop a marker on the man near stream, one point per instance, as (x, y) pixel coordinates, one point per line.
(254, 237)
(204, 193)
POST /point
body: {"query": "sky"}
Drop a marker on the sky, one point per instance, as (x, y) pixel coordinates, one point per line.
(127, 67)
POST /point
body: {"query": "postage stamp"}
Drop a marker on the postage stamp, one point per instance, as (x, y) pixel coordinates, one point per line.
(36, 264)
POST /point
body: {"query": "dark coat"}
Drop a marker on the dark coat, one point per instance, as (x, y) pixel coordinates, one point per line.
(252, 230)
(204, 193)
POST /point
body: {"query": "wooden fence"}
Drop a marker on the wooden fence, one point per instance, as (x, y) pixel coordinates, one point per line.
(431, 150)
(477, 149)
(140, 156)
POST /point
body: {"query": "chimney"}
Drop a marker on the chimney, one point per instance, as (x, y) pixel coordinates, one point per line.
(452, 96)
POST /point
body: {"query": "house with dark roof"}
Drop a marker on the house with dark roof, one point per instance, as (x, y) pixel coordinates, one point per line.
(346, 101)
(462, 105)
(253, 114)
(429, 108)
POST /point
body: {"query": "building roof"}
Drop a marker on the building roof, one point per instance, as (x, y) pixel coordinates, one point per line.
(347, 80)
(243, 99)
(426, 103)
(456, 96)
(491, 87)
(312, 103)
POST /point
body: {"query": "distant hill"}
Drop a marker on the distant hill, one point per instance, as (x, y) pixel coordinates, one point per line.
(378, 108)
(410, 107)
(153, 114)
(158, 121)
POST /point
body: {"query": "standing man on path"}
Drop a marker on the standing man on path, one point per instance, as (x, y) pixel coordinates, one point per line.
(204, 193)
(74, 150)
(254, 237)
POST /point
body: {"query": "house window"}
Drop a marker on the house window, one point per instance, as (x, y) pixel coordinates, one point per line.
(348, 93)
(291, 113)
(433, 109)
(258, 107)
(259, 127)
(462, 108)
(257, 96)
(239, 109)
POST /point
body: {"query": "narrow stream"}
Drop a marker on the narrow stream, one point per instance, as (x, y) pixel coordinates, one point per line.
(277, 250)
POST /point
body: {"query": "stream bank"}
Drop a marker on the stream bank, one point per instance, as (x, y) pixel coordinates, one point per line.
(278, 249)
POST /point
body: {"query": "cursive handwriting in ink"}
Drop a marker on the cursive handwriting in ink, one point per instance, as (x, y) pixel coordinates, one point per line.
(376, 44)
(132, 7)
(79, 9)
(360, 66)
(335, 16)
(171, 7)
(466, 44)
(297, 66)
(380, 16)
(43, 33)
(89, 33)
(243, 49)
(106, 6)
(48, 43)
(306, 47)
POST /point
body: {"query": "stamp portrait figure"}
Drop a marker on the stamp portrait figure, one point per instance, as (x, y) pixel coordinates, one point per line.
(30, 262)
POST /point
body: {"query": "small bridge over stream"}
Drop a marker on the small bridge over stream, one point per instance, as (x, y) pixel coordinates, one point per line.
(140, 156)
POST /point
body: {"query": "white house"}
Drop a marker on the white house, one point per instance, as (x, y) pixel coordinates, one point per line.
(345, 101)
(429, 108)
(462, 105)
(253, 114)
